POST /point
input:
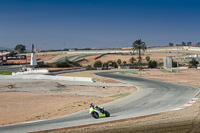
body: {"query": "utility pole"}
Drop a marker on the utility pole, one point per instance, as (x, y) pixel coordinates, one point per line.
(177, 61)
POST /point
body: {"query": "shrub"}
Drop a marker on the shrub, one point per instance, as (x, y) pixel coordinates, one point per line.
(62, 64)
(147, 58)
(193, 62)
(174, 63)
(119, 61)
(98, 64)
(124, 62)
(110, 63)
(152, 64)
(88, 66)
(131, 60)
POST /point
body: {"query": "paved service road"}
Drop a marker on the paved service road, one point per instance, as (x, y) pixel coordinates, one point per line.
(152, 97)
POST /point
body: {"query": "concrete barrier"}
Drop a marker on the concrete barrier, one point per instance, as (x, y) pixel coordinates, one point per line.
(174, 68)
(29, 71)
(46, 77)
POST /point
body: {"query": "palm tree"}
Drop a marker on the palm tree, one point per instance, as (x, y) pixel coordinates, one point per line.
(138, 45)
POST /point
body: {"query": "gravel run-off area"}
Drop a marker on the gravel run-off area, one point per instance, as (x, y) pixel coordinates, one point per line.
(32, 100)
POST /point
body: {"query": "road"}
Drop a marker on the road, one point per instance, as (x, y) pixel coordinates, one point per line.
(152, 97)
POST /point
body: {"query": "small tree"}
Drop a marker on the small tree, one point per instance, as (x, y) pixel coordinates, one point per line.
(148, 58)
(152, 64)
(131, 60)
(98, 64)
(189, 43)
(174, 63)
(119, 61)
(124, 63)
(88, 66)
(183, 44)
(193, 62)
(110, 63)
(171, 44)
(20, 48)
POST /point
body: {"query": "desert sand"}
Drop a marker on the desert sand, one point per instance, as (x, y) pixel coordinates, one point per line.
(38, 100)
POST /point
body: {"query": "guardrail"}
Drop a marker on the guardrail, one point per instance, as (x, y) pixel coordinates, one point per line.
(68, 71)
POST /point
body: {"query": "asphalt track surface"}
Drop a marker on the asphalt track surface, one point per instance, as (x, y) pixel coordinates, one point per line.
(152, 97)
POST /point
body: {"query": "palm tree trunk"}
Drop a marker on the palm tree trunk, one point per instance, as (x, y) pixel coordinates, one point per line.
(139, 59)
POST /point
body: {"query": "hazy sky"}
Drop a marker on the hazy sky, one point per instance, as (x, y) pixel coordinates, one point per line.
(55, 24)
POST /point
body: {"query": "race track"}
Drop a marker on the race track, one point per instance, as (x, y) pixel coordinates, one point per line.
(152, 97)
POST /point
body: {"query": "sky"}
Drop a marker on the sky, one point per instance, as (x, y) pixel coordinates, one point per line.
(59, 24)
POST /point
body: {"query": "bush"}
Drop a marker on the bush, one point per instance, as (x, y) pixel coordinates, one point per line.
(131, 60)
(174, 63)
(88, 66)
(62, 64)
(119, 61)
(98, 64)
(152, 64)
(147, 58)
(110, 63)
(193, 62)
(124, 63)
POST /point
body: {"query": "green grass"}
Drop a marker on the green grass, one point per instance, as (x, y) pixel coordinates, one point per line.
(120, 95)
(5, 73)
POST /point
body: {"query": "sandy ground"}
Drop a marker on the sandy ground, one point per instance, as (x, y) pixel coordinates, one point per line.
(182, 121)
(187, 77)
(154, 56)
(32, 105)
(36, 100)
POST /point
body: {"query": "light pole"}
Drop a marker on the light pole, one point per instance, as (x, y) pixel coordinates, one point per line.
(177, 61)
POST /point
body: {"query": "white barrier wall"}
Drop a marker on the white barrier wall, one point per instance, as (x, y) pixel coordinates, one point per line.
(46, 77)
(31, 71)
